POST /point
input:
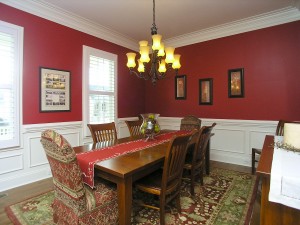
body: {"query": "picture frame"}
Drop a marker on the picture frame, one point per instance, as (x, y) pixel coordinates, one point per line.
(206, 91)
(236, 83)
(180, 87)
(54, 90)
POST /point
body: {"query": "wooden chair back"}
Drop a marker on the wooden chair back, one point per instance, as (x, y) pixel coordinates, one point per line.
(190, 123)
(280, 126)
(195, 163)
(134, 128)
(201, 146)
(173, 165)
(105, 132)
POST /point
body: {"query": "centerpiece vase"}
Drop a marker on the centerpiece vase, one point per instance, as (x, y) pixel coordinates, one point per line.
(150, 126)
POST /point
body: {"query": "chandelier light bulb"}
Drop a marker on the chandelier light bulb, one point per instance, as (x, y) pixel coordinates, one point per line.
(162, 66)
(131, 60)
(144, 50)
(176, 64)
(161, 51)
(156, 38)
(169, 54)
(141, 67)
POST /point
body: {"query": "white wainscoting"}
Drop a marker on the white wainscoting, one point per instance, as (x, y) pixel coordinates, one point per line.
(231, 143)
(29, 163)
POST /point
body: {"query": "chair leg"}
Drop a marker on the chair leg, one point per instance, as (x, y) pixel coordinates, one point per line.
(192, 182)
(201, 175)
(253, 162)
(162, 210)
(178, 205)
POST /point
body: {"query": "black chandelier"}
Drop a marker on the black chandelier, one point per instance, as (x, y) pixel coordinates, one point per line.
(159, 64)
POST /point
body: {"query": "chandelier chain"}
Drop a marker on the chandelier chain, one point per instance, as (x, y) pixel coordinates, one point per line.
(153, 29)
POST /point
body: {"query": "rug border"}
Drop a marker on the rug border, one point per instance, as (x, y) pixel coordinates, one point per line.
(10, 213)
(252, 201)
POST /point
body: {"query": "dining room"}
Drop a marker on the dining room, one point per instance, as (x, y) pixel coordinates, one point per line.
(257, 52)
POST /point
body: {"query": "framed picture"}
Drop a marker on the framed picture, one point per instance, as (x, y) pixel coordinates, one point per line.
(206, 91)
(180, 87)
(54, 90)
(236, 83)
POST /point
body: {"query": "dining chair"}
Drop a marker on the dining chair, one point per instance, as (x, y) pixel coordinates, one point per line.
(103, 132)
(75, 202)
(195, 162)
(134, 128)
(140, 117)
(257, 152)
(190, 122)
(165, 182)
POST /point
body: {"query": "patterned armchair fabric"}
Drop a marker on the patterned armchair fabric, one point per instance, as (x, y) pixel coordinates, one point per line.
(75, 202)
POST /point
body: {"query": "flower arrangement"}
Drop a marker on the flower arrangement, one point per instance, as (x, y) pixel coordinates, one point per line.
(150, 125)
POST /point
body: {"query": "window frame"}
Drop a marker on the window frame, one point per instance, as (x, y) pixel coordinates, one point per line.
(87, 51)
(18, 33)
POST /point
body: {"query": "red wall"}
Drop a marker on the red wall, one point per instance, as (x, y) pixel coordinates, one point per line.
(49, 44)
(271, 61)
(270, 58)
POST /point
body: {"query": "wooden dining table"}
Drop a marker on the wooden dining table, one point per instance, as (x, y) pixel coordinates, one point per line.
(125, 169)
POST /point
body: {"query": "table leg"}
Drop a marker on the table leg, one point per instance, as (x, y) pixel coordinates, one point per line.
(125, 200)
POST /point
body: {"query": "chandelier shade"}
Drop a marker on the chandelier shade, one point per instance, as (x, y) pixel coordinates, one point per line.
(159, 65)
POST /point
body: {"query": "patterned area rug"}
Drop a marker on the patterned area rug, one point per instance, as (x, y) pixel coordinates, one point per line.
(226, 198)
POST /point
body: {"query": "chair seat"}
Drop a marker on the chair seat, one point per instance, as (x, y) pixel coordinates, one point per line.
(103, 193)
(152, 181)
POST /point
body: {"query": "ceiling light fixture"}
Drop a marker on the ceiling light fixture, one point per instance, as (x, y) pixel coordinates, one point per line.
(158, 67)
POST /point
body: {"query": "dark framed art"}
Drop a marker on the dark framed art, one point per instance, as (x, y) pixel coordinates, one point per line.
(54, 90)
(180, 87)
(206, 91)
(236, 83)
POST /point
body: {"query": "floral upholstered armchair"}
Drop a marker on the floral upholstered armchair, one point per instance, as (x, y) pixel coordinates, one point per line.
(75, 202)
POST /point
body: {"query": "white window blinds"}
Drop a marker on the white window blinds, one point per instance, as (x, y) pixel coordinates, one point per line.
(11, 48)
(100, 86)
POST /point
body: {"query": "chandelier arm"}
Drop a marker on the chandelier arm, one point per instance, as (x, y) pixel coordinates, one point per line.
(139, 75)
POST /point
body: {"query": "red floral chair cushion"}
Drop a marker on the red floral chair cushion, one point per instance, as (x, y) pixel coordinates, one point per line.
(75, 202)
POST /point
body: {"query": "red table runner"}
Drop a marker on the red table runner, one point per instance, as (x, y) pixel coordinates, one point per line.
(87, 160)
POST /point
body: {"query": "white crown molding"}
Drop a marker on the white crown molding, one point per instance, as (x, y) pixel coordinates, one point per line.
(274, 18)
(58, 15)
(297, 4)
(50, 12)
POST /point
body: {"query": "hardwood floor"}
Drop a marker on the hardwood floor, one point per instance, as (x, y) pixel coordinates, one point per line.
(27, 191)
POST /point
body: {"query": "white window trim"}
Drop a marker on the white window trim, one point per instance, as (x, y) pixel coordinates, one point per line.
(87, 51)
(19, 88)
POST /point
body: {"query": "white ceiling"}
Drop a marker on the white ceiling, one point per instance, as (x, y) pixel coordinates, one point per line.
(132, 19)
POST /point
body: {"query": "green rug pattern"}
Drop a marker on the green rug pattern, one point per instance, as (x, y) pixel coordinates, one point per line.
(226, 198)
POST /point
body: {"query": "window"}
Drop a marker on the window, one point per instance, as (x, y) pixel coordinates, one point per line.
(11, 57)
(99, 87)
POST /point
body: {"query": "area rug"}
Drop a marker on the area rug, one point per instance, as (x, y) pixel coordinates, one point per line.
(226, 198)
